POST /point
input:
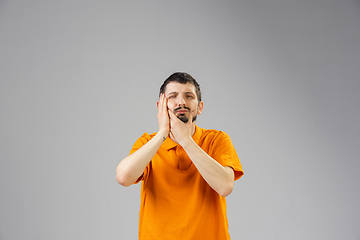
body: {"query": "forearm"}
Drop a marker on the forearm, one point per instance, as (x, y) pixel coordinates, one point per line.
(133, 166)
(220, 178)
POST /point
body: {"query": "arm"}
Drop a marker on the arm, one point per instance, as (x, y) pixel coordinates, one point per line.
(220, 178)
(133, 166)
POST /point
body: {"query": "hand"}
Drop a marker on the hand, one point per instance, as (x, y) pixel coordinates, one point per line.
(180, 131)
(163, 116)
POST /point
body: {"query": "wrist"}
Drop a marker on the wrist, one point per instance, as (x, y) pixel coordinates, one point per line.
(187, 143)
(163, 134)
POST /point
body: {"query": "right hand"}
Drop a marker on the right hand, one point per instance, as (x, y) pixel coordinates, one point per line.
(163, 116)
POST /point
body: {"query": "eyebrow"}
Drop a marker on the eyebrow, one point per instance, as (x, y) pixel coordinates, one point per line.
(175, 92)
(172, 93)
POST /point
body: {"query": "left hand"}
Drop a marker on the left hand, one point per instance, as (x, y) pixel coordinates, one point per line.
(180, 131)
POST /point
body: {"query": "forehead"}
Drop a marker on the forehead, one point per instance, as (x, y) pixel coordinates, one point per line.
(179, 88)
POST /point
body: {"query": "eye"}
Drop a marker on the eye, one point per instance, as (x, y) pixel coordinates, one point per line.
(189, 96)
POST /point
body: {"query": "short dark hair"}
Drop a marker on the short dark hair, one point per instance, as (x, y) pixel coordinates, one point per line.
(183, 78)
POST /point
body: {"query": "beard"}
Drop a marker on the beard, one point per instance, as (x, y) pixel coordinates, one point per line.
(183, 117)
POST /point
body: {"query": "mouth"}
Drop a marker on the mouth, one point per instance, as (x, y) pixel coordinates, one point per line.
(181, 111)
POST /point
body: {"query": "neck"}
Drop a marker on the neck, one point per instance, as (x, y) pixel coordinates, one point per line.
(193, 128)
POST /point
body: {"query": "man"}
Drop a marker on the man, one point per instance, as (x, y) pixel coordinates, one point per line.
(186, 171)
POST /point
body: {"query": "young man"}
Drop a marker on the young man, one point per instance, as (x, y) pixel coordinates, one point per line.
(186, 171)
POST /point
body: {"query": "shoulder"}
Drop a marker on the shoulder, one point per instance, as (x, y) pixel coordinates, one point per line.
(214, 133)
(214, 136)
(146, 137)
(142, 141)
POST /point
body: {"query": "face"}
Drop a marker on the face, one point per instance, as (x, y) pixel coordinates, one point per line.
(182, 101)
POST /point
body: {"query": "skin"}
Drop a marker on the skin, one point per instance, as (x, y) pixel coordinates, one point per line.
(179, 101)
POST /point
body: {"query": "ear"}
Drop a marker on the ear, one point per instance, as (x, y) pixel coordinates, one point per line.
(200, 108)
(157, 105)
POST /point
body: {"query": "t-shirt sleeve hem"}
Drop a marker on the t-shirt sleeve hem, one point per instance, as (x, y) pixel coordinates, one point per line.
(238, 172)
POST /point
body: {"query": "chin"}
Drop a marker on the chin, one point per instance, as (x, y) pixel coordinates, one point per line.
(183, 118)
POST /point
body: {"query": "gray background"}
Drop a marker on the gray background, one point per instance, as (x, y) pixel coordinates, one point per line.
(79, 85)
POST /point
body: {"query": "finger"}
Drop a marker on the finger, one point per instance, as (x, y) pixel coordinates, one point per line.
(161, 102)
(165, 107)
(190, 120)
(171, 115)
(164, 103)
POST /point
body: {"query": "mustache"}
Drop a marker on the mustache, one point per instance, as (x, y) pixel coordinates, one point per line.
(180, 108)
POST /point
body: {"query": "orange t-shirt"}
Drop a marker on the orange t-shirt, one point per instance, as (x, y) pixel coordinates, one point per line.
(176, 202)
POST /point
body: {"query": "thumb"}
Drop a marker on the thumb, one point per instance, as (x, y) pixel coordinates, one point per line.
(171, 115)
(190, 121)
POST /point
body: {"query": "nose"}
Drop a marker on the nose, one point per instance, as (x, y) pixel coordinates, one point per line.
(181, 100)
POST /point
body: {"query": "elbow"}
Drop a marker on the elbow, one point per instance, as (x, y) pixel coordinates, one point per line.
(123, 177)
(123, 180)
(226, 190)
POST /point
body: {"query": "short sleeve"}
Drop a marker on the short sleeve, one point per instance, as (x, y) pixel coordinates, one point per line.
(224, 153)
(137, 145)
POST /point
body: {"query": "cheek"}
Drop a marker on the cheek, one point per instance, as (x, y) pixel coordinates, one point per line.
(170, 105)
